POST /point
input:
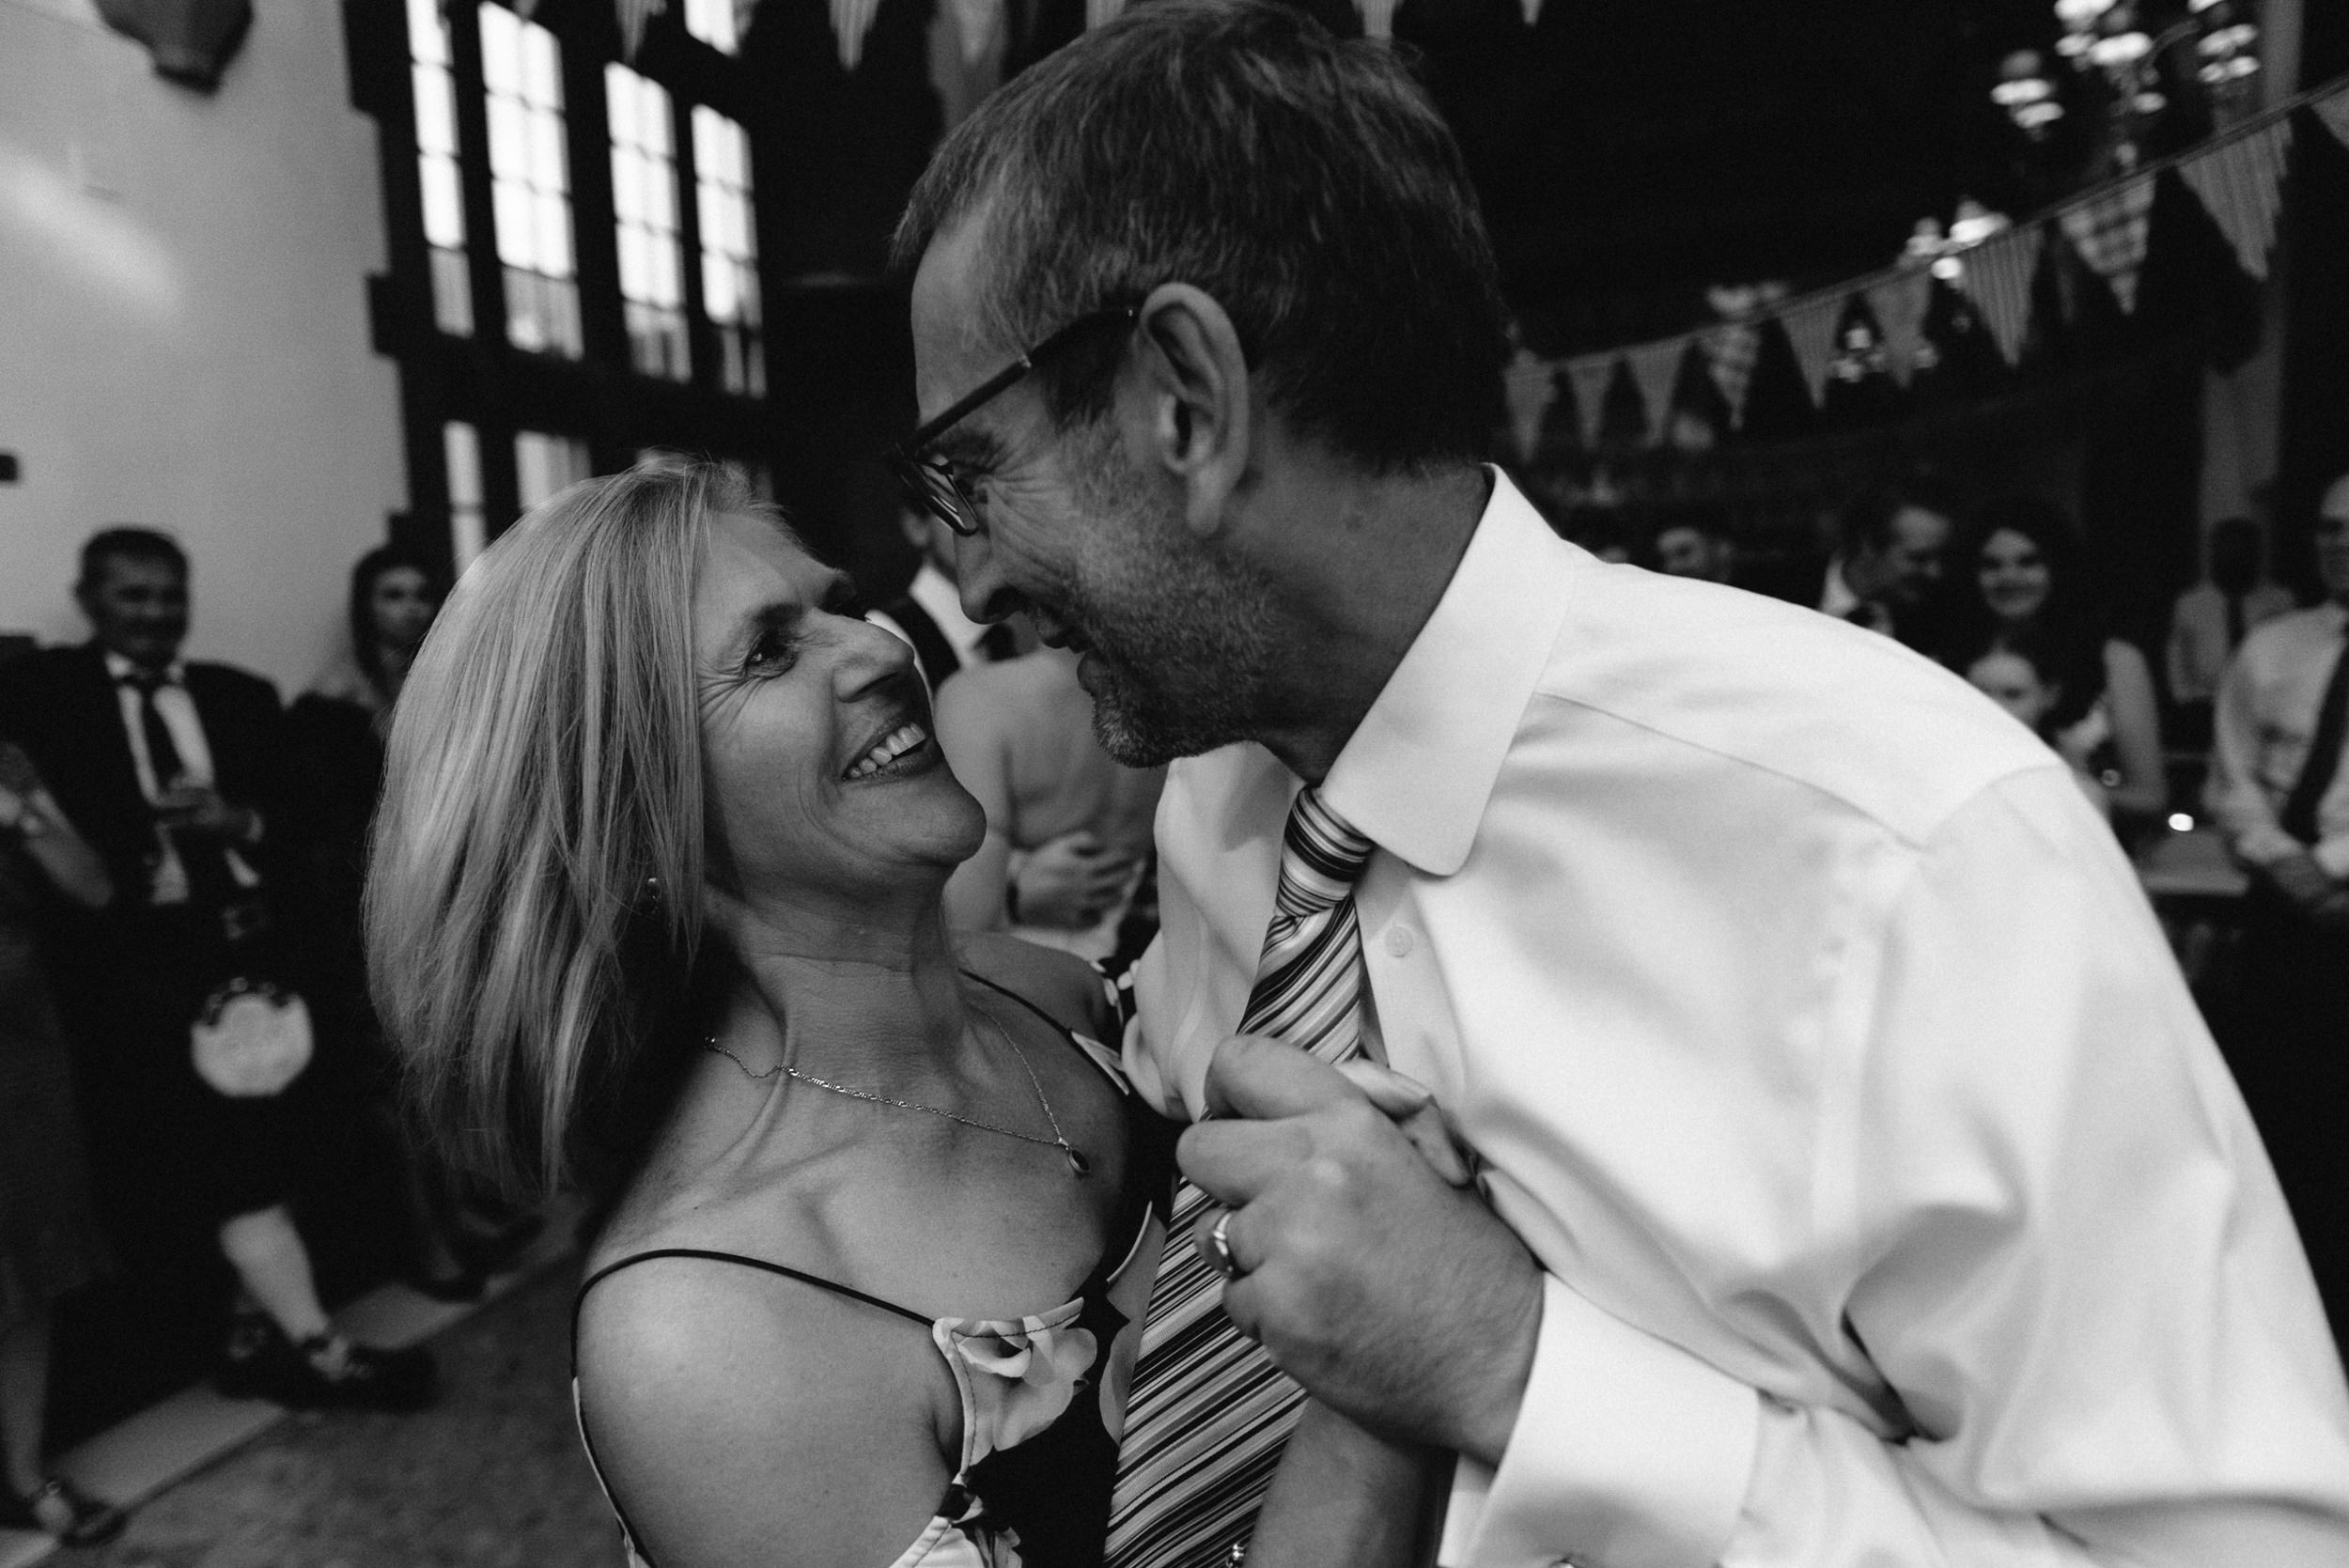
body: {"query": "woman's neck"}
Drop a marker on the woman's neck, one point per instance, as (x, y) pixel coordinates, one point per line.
(880, 1009)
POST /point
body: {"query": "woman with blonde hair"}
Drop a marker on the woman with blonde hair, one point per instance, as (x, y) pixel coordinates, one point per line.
(656, 896)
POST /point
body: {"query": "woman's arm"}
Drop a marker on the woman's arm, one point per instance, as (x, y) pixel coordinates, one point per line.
(2143, 791)
(1345, 1495)
(63, 855)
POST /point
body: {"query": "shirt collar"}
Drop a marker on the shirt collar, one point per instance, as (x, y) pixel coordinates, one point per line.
(119, 670)
(1416, 774)
(1837, 598)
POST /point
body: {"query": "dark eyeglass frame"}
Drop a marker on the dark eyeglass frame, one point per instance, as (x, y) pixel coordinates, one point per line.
(930, 481)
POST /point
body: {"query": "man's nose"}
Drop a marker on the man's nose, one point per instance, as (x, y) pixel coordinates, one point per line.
(985, 594)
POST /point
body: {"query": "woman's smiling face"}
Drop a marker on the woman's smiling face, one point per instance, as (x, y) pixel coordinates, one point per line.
(2014, 577)
(822, 779)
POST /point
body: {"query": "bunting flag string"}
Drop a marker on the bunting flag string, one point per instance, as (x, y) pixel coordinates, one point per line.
(2241, 184)
(1730, 352)
(1998, 278)
(1655, 370)
(2333, 111)
(1900, 303)
(850, 21)
(2237, 176)
(1810, 324)
(1531, 385)
(1590, 376)
(2110, 229)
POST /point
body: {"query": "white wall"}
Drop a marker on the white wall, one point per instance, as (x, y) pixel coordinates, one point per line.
(183, 332)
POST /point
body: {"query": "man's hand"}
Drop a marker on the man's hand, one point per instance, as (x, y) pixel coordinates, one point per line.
(200, 809)
(1068, 881)
(1397, 1299)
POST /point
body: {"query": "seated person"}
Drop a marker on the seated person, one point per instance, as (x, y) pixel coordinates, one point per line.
(665, 909)
(2016, 674)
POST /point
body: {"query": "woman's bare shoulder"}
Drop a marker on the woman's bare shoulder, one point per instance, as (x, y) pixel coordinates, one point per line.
(740, 1417)
(1064, 986)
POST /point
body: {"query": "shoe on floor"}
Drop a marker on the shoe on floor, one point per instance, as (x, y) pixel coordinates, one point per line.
(61, 1509)
(328, 1372)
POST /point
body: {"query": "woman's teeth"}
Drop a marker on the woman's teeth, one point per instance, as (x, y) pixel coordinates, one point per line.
(895, 744)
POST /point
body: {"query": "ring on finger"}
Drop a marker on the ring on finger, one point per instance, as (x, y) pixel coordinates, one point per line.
(1220, 1243)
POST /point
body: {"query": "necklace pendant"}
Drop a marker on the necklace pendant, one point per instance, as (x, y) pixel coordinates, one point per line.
(1078, 1165)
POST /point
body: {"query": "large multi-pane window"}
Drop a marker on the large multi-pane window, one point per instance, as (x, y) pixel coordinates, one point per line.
(435, 89)
(645, 214)
(714, 22)
(530, 181)
(722, 177)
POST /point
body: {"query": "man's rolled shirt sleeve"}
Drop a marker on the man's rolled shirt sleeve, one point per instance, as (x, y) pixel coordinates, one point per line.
(2052, 1230)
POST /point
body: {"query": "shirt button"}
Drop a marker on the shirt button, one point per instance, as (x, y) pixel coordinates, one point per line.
(1399, 941)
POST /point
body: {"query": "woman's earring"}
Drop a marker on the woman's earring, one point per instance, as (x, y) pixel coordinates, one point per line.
(652, 889)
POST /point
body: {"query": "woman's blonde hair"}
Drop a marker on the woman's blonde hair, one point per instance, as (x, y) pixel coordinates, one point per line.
(532, 912)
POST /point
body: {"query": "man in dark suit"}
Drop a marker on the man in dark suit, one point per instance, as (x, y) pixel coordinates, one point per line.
(1887, 572)
(177, 773)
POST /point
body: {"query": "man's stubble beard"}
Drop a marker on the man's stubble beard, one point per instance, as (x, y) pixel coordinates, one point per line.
(1181, 631)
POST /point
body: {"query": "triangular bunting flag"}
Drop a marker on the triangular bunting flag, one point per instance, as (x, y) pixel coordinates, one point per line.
(1729, 350)
(1099, 13)
(1655, 369)
(2333, 109)
(1533, 10)
(1590, 376)
(2110, 230)
(1810, 325)
(1378, 18)
(1997, 277)
(2241, 184)
(1899, 304)
(850, 21)
(633, 15)
(976, 22)
(1530, 384)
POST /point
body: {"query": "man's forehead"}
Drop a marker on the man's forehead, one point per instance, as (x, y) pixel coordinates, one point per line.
(950, 332)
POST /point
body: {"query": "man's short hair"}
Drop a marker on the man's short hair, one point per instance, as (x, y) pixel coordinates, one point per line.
(1305, 183)
(1865, 525)
(129, 542)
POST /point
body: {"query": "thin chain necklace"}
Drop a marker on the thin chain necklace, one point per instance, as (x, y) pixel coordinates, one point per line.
(1077, 1164)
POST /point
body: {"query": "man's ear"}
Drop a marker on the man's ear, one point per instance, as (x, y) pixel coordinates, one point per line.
(1197, 398)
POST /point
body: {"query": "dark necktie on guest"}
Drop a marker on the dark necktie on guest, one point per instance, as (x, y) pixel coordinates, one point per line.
(1210, 1412)
(2298, 817)
(2235, 622)
(210, 882)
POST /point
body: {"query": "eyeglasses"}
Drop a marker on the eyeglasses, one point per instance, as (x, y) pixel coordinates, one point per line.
(929, 480)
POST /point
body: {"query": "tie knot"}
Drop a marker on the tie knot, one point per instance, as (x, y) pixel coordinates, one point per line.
(1322, 855)
(148, 682)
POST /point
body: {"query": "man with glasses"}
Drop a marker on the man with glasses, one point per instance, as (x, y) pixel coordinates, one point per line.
(1853, 1180)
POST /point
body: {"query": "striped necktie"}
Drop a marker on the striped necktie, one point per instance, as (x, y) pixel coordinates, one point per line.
(1209, 1413)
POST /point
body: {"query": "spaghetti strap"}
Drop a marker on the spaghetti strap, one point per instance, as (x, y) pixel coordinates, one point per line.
(1058, 1028)
(818, 1281)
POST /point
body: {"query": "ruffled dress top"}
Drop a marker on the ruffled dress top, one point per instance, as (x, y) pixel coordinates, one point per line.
(1043, 1397)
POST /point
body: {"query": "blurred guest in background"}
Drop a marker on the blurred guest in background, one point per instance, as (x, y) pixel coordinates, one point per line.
(929, 614)
(181, 776)
(1887, 569)
(2279, 789)
(2018, 674)
(50, 1241)
(1019, 735)
(2211, 619)
(1695, 542)
(337, 730)
(2029, 583)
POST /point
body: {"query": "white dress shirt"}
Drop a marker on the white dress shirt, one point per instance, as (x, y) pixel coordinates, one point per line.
(1894, 1206)
(177, 709)
(2265, 718)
